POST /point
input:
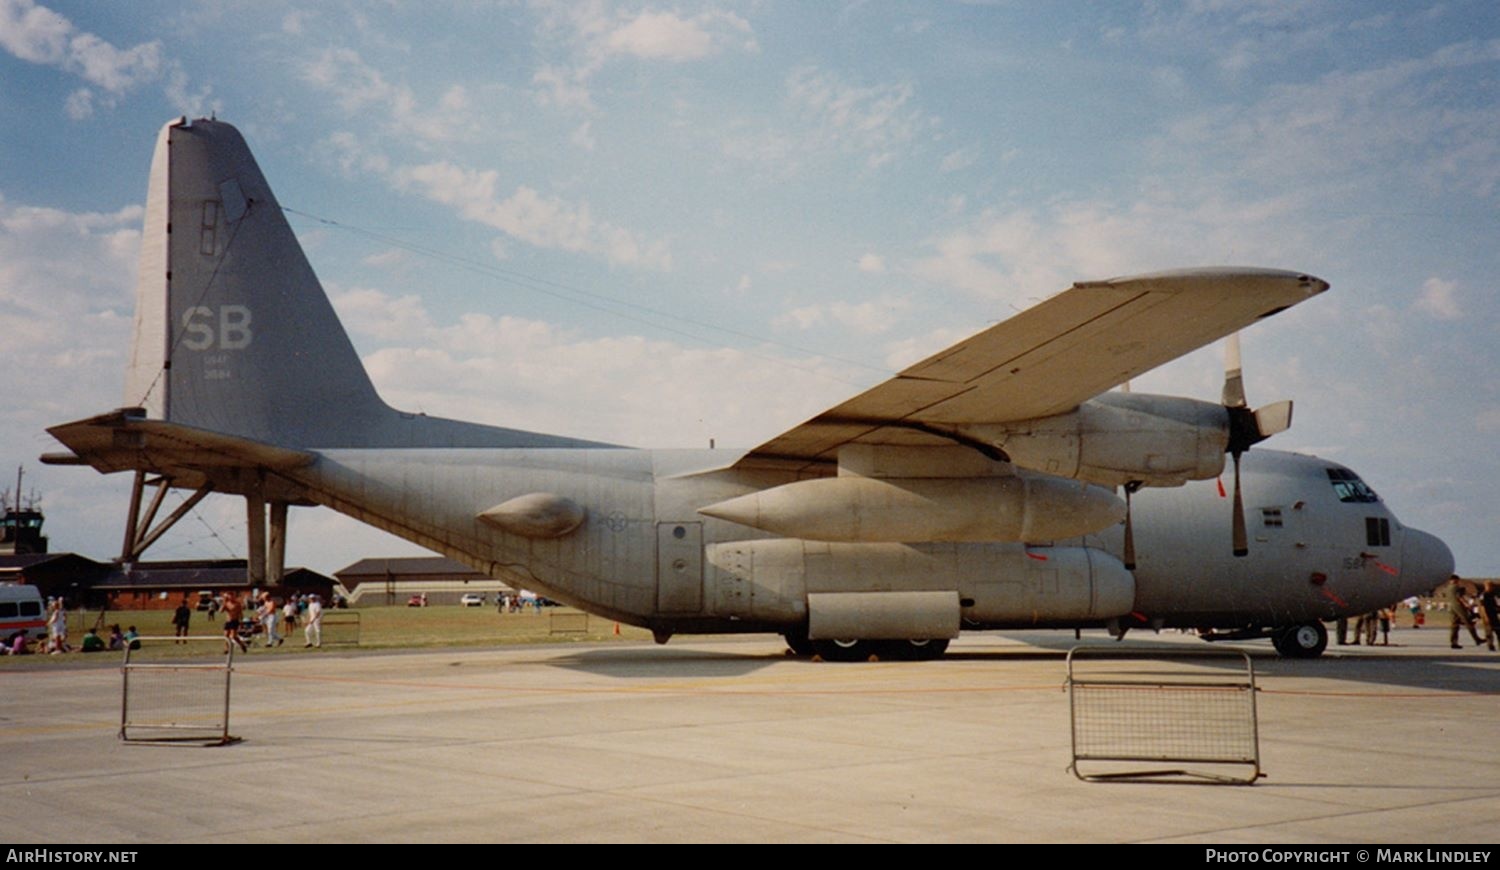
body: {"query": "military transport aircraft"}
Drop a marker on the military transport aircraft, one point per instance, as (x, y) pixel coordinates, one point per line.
(996, 484)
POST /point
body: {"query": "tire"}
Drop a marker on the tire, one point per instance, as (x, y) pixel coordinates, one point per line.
(843, 650)
(797, 642)
(915, 650)
(1304, 641)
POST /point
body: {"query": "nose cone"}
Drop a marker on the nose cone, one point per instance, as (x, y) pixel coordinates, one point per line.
(1425, 562)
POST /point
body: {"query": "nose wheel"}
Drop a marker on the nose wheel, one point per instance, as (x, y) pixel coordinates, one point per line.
(1304, 641)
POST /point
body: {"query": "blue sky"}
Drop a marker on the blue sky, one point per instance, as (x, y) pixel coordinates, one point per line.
(659, 224)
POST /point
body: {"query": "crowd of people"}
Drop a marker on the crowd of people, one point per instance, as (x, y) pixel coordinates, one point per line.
(271, 620)
(268, 618)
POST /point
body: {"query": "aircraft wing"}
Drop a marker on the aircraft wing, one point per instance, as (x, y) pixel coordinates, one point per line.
(1046, 360)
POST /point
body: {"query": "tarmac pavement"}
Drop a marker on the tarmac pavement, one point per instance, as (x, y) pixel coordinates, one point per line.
(729, 739)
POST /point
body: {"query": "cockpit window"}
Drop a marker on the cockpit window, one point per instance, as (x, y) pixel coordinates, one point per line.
(1349, 487)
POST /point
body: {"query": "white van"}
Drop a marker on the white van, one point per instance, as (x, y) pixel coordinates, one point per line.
(21, 608)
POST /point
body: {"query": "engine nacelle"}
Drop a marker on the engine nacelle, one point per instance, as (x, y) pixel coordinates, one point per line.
(1120, 437)
(1015, 507)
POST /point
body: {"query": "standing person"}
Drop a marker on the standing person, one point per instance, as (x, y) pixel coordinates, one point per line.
(1453, 596)
(268, 614)
(314, 630)
(180, 619)
(1490, 607)
(1387, 615)
(233, 611)
(57, 627)
(289, 614)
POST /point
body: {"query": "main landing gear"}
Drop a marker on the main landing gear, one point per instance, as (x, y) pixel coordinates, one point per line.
(858, 650)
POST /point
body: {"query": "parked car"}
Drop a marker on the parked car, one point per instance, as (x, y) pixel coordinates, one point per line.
(472, 599)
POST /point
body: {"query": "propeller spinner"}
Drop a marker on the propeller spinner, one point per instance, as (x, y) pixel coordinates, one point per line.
(1246, 428)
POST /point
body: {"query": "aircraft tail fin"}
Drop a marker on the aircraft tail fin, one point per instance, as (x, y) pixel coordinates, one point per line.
(234, 333)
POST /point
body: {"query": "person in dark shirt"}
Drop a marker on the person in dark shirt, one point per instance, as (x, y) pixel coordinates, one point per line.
(180, 619)
(1491, 610)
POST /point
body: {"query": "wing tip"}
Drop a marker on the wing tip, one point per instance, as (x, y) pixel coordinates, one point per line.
(1180, 280)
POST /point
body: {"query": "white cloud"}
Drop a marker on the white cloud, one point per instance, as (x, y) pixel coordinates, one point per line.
(80, 104)
(593, 36)
(903, 352)
(39, 35)
(194, 104)
(389, 258)
(864, 318)
(963, 158)
(876, 121)
(804, 317)
(1410, 121)
(1024, 255)
(1438, 300)
(661, 36)
(66, 301)
(564, 88)
(358, 86)
(872, 264)
(547, 222)
(529, 374)
(372, 312)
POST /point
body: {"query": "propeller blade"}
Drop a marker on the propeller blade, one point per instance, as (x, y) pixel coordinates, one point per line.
(1241, 539)
(1234, 376)
(1273, 418)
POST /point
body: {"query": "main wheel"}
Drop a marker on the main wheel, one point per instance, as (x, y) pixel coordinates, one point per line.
(915, 650)
(842, 650)
(1304, 641)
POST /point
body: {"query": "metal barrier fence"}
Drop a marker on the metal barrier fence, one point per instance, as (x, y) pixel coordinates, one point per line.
(177, 700)
(340, 627)
(1163, 706)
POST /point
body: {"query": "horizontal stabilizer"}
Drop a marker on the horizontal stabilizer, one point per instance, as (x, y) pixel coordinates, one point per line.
(122, 440)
